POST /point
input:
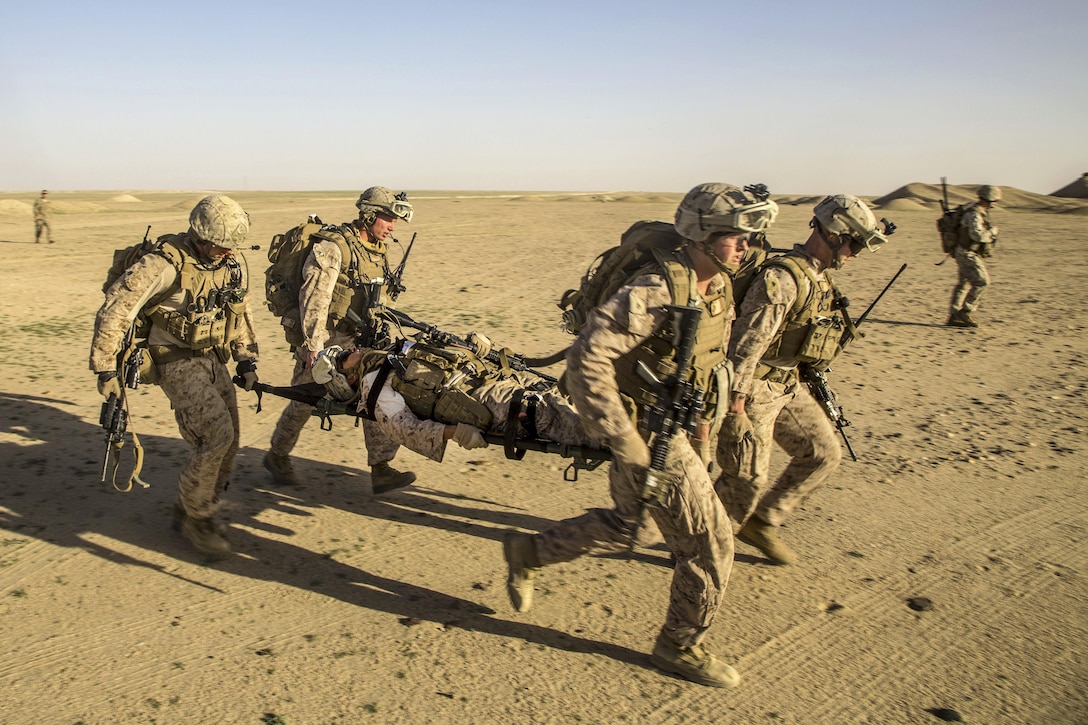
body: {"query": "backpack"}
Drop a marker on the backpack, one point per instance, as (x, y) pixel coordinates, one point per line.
(949, 227)
(646, 245)
(283, 278)
(123, 259)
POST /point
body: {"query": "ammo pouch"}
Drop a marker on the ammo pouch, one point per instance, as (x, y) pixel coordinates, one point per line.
(821, 343)
(435, 384)
(199, 330)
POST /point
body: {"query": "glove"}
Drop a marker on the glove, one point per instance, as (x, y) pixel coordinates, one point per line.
(736, 427)
(247, 371)
(702, 449)
(630, 450)
(108, 384)
(469, 437)
(480, 345)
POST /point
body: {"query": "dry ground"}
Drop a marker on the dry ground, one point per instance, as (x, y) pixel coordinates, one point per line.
(342, 608)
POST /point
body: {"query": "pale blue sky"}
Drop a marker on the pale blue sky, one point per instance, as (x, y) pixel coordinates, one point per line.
(807, 97)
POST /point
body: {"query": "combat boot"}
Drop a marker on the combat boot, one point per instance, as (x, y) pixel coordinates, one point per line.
(965, 318)
(522, 563)
(205, 537)
(384, 478)
(692, 663)
(283, 472)
(763, 536)
(178, 517)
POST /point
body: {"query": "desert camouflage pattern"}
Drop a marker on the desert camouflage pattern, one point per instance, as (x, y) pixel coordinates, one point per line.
(781, 412)
(761, 317)
(786, 414)
(152, 276)
(200, 389)
(556, 418)
(692, 520)
(972, 280)
(380, 448)
(320, 272)
(976, 226)
(977, 236)
(41, 220)
(206, 409)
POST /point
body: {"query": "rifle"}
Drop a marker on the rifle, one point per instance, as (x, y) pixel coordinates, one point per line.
(676, 408)
(503, 357)
(816, 380)
(394, 277)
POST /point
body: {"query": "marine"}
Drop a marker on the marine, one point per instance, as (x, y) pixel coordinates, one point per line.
(790, 315)
(977, 239)
(345, 271)
(634, 327)
(191, 294)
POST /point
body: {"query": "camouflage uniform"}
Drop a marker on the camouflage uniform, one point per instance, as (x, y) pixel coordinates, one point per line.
(197, 383)
(41, 220)
(319, 275)
(691, 519)
(780, 408)
(977, 239)
(556, 419)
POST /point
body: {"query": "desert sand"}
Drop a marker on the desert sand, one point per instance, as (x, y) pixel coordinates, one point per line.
(341, 608)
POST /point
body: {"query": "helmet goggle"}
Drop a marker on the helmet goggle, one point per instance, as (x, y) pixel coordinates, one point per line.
(750, 219)
(401, 210)
(862, 238)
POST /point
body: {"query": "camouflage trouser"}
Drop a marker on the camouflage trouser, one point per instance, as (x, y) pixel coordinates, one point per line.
(972, 281)
(379, 448)
(40, 226)
(206, 408)
(796, 422)
(693, 523)
(556, 419)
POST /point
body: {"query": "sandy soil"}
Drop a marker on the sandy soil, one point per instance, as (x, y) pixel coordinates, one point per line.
(341, 608)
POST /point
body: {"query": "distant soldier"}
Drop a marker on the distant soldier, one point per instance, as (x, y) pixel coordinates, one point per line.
(977, 239)
(345, 271)
(633, 331)
(42, 213)
(789, 316)
(192, 292)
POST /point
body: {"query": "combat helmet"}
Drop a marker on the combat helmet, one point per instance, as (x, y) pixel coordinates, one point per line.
(850, 218)
(989, 193)
(380, 199)
(219, 220)
(724, 209)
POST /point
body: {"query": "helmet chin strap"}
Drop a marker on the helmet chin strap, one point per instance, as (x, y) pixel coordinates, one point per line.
(718, 261)
(836, 262)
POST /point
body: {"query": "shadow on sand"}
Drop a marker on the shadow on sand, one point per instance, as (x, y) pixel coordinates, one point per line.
(53, 494)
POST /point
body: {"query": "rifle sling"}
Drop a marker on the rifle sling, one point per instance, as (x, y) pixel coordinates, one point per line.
(376, 389)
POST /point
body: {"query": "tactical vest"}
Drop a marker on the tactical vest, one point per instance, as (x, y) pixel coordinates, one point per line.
(211, 312)
(360, 284)
(436, 383)
(812, 331)
(657, 351)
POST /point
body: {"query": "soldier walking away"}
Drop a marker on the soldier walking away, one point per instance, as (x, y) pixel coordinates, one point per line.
(790, 315)
(626, 341)
(343, 272)
(977, 238)
(191, 293)
(42, 213)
